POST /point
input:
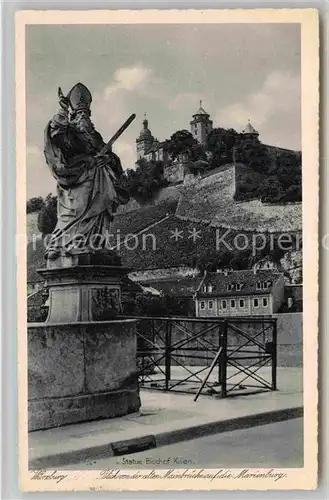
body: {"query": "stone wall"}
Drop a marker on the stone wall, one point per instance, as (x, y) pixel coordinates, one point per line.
(162, 274)
(81, 371)
(174, 173)
(290, 339)
(212, 200)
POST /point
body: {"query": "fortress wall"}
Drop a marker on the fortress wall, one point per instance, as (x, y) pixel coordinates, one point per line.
(154, 274)
(212, 200)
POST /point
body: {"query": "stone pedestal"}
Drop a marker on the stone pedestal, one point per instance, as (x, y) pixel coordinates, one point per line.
(81, 371)
(83, 292)
(82, 360)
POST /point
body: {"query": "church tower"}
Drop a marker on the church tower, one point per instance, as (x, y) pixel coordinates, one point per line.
(201, 125)
(145, 140)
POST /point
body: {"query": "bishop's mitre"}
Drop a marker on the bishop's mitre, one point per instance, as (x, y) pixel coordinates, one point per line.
(80, 97)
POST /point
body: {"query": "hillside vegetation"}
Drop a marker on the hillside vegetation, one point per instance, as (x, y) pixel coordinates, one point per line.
(171, 243)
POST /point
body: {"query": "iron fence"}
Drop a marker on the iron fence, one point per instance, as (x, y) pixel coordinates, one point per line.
(214, 356)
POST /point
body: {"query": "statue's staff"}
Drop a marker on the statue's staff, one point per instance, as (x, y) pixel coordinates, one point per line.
(107, 148)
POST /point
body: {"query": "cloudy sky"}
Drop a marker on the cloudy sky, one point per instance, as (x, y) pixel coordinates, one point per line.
(239, 71)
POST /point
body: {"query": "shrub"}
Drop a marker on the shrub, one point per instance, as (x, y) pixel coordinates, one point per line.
(34, 204)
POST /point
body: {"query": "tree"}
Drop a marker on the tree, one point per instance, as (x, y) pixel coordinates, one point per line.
(144, 182)
(182, 142)
(163, 305)
(289, 171)
(253, 154)
(34, 204)
(221, 143)
(293, 194)
(47, 218)
(271, 190)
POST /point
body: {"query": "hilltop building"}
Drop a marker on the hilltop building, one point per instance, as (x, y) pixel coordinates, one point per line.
(150, 148)
(201, 125)
(250, 132)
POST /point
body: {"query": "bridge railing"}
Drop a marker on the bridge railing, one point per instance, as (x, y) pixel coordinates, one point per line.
(213, 356)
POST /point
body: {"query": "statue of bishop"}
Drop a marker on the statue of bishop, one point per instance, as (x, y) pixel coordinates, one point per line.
(89, 181)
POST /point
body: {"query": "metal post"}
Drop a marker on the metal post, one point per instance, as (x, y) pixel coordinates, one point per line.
(274, 355)
(219, 361)
(168, 354)
(223, 362)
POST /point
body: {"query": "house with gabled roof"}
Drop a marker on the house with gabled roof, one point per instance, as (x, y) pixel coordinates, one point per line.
(240, 293)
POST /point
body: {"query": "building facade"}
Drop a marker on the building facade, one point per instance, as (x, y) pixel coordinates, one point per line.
(240, 293)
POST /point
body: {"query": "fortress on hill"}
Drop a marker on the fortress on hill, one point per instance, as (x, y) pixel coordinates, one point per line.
(150, 148)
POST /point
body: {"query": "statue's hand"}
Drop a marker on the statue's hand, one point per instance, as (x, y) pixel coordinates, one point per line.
(63, 101)
(101, 160)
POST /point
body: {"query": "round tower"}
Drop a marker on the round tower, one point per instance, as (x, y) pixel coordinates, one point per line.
(249, 132)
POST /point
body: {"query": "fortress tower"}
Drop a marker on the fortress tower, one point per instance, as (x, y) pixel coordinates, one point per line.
(249, 132)
(145, 140)
(201, 125)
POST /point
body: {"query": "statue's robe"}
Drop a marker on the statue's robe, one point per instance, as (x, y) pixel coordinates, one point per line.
(87, 195)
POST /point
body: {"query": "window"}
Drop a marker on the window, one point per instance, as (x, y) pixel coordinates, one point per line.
(255, 302)
(238, 286)
(233, 303)
(202, 305)
(241, 303)
(265, 302)
(224, 304)
(210, 287)
(265, 284)
(205, 289)
(210, 304)
(258, 285)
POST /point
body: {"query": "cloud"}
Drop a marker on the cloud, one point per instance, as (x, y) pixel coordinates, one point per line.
(185, 100)
(126, 153)
(131, 78)
(273, 106)
(240, 71)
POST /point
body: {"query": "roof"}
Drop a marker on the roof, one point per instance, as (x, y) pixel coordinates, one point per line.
(182, 287)
(249, 129)
(156, 146)
(145, 132)
(248, 280)
(201, 111)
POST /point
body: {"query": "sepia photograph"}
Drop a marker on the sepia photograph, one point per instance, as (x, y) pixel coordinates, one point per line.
(167, 200)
